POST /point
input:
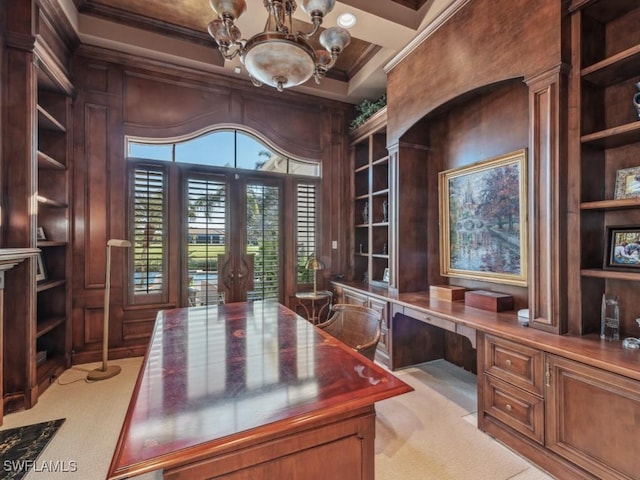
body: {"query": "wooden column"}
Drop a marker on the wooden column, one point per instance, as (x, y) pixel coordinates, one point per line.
(547, 204)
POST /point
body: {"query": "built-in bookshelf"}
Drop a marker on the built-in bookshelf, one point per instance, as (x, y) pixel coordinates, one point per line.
(607, 57)
(52, 332)
(371, 201)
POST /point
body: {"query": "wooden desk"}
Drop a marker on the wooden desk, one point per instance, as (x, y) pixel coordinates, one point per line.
(251, 390)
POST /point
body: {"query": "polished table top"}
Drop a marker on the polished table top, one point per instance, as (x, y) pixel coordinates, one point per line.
(214, 375)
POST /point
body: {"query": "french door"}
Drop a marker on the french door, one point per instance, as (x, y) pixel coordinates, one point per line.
(233, 246)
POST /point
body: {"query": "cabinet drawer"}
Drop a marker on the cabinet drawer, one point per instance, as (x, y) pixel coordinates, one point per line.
(514, 363)
(520, 410)
(430, 319)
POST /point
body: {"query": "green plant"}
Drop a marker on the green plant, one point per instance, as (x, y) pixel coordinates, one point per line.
(367, 108)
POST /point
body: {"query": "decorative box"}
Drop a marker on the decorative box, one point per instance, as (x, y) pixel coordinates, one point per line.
(448, 293)
(491, 301)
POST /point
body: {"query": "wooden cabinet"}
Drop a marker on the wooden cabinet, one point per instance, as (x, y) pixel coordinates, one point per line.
(512, 387)
(592, 418)
(572, 419)
(383, 346)
(371, 201)
(53, 341)
(606, 67)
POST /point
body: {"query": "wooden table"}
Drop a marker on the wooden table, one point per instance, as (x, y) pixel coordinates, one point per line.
(251, 390)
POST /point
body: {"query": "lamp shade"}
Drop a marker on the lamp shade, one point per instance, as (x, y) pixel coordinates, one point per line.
(229, 8)
(314, 264)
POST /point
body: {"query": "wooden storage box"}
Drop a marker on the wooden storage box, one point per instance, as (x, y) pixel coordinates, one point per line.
(448, 293)
(491, 301)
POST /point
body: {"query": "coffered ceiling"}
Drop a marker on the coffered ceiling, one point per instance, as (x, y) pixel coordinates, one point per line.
(177, 31)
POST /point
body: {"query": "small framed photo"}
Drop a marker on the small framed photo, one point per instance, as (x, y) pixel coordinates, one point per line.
(41, 273)
(385, 275)
(627, 183)
(623, 247)
(40, 234)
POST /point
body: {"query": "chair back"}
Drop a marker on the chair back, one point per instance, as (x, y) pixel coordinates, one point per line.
(356, 326)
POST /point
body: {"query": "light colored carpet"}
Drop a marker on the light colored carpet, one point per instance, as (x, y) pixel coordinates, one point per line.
(431, 433)
(428, 434)
(95, 411)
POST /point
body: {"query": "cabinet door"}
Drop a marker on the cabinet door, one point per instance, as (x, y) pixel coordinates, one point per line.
(382, 307)
(592, 418)
(355, 298)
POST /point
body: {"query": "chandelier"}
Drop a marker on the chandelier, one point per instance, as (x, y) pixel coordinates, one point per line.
(278, 56)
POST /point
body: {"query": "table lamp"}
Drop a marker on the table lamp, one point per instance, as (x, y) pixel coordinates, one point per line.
(314, 264)
(107, 371)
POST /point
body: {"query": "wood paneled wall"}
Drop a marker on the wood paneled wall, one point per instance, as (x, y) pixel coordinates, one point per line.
(120, 95)
(486, 42)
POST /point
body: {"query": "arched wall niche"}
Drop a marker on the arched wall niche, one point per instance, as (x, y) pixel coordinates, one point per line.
(478, 125)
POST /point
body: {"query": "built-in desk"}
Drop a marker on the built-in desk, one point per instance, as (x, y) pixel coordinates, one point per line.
(251, 390)
(570, 404)
(419, 306)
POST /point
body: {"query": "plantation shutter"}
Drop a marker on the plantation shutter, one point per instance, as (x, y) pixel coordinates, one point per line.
(149, 252)
(263, 232)
(207, 204)
(305, 229)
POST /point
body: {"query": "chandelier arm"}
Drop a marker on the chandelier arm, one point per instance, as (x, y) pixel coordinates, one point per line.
(310, 34)
(321, 70)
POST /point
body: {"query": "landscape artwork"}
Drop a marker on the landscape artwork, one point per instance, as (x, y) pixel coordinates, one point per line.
(483, 220)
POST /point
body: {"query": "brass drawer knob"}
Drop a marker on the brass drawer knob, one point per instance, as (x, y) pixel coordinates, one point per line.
(508, 363)
(508, 407)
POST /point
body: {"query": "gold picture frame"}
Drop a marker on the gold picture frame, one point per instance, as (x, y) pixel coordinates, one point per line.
(627, 183)
(483, 220)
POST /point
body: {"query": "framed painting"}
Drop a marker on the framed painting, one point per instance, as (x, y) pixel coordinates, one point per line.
(627, 183)
(623, 247)
(483, 220)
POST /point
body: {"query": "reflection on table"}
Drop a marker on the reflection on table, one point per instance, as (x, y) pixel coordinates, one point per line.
(223, 380)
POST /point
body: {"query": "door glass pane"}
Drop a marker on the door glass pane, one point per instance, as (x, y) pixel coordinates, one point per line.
(263, 240)
(206, 213)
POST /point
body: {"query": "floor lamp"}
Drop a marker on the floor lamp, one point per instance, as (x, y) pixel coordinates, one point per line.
(113, 370)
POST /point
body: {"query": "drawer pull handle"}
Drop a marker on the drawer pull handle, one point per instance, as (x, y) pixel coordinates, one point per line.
(508, 363)
(508, 407)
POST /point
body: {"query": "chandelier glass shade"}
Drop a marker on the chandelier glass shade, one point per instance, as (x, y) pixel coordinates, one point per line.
(278, 56)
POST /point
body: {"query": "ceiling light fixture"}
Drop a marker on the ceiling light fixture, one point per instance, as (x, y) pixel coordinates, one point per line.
(347, 20)
(277, 56)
